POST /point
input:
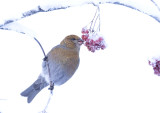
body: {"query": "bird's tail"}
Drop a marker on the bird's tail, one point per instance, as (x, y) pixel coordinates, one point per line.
(34, 89)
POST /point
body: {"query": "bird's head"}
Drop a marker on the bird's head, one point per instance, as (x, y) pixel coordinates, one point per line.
(72, 42)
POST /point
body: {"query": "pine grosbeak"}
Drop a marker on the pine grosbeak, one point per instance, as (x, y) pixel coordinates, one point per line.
(63, 61)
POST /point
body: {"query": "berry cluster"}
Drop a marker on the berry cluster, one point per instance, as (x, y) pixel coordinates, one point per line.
(93, 41)
(156, 66)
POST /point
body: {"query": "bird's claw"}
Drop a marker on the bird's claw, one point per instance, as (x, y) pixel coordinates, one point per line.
(51, 87)
(45, 58)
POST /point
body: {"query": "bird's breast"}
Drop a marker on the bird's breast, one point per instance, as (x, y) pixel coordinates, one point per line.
(63, 68)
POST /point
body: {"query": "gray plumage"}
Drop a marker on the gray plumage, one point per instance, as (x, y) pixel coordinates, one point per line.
(63, 61)
(34, 89)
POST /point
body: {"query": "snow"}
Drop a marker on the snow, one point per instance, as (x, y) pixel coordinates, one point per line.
(149, 8)
(117, 79)
(13, 9)
(157, 3)
(17, 9)
(20, 29)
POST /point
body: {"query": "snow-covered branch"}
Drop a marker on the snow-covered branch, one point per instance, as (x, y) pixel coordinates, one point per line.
(152, 12)
(150, 7)
(156, 4)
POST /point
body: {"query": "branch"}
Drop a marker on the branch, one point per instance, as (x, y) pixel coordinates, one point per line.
(45, 8)
(23, 30)
(25, 14)
(156, 17)
(155, 4)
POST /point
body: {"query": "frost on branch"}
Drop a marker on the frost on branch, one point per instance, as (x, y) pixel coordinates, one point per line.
(155, 63)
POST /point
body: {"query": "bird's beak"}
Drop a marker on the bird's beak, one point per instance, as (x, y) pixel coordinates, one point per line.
(80, 41)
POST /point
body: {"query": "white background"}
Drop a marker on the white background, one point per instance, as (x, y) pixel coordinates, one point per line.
(115, 80)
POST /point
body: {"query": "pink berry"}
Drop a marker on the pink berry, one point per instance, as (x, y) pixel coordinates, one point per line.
(149, 62)
(88, 40)
(94, 43)
(85, 37)
(89, 48)
(86, 44)
(103, 47)
(156, 67)
(85, 31)
(92, 49)
(97, 47)
(91, 42)
(100, 39)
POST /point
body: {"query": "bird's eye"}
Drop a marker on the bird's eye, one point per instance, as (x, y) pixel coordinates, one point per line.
(73, 39)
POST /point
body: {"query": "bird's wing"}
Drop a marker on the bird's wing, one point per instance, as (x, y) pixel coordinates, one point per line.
(63, 62)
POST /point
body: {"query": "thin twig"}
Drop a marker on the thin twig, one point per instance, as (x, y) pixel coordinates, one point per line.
(44, 111)
(94, 21)
(99, 17)
(91, 28)
(45, 57)
(40, 46)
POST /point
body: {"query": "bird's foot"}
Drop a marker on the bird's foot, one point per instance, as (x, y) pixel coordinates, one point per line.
(45, 58)
(51, 87)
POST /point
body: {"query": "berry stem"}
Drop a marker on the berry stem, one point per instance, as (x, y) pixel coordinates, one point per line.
(99, 17)
(94, 21)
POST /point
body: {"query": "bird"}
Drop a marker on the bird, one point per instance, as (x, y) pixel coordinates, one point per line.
(62, 60)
